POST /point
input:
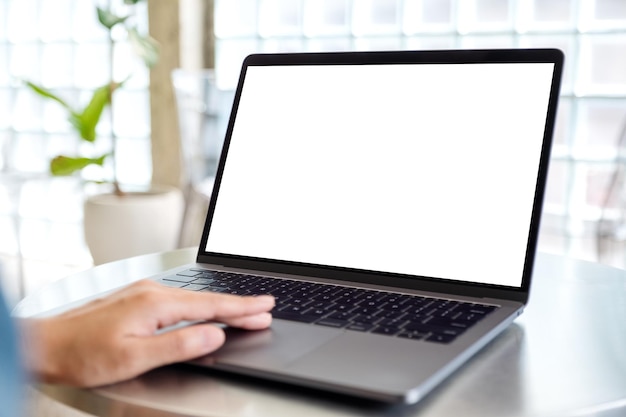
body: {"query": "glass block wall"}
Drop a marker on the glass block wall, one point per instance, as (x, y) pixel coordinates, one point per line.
(585, 178)
(59, 44)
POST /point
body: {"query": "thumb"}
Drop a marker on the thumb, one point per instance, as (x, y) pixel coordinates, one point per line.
(178, 345)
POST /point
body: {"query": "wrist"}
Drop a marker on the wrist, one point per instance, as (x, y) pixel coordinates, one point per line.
(40, 353)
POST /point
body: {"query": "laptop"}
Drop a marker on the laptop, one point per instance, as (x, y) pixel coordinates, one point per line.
(391, 203)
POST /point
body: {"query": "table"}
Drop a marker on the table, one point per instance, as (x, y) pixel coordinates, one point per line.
(565, 356)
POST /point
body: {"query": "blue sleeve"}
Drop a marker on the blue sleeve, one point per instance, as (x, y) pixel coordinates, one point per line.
(11, 381)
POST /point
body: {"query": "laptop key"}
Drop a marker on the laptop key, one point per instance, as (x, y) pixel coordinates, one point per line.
(341, 315)
(371, 295)
(194, 287)
(392, 315)
(391, 322)
(319, 312)
(414, 335)
(445, 323)
(293, 308)
(244, 286)
(360, 327)
(481, 309)
(366, 310)
(322, 297)
(188, 273)
(304, 294)
(365, 318)
(330, 322)
(299, 301)
(214, 288)
(239, 292)
(440, 338)
(386, 330)
(395, 306)
(179, 278)
(202, 281)
(371, 303)
(345, 308)
(425, 328)
(208, 274)
(286, 315)
(328, 306)
(175, 284)
(348, 300)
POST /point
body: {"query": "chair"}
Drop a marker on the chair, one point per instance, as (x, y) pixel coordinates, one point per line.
(203, 110)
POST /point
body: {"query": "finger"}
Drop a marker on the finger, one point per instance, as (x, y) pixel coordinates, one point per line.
(226, 306)
(254, 322)
(189, 305)
(175, 346)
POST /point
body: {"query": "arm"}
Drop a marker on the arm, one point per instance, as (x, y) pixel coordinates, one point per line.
(113, 338)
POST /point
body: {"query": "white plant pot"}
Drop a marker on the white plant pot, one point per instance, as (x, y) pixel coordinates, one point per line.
(118, 227)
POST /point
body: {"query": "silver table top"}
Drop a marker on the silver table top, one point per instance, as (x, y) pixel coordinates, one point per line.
(565, 356)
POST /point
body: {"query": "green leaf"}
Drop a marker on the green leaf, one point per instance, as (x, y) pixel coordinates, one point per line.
(44, 92)
(108, 19)
(86, 121)
(65, 165)
(144, 46)
(131, 1)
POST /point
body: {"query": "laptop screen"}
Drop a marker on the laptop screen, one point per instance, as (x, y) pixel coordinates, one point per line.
(419, 169)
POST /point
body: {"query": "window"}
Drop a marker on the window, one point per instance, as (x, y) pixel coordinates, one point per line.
(59, 44)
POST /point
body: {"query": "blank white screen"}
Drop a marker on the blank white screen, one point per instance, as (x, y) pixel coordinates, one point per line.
(425, 170)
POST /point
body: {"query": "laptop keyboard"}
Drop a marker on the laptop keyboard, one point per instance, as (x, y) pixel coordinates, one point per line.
(363, 310)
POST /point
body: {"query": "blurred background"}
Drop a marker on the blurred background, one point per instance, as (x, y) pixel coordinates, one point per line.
(164, 123)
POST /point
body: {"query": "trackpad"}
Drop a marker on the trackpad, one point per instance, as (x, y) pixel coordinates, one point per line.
(277, 346)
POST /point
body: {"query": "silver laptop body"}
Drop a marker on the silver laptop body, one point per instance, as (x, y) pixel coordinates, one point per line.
(408, 172)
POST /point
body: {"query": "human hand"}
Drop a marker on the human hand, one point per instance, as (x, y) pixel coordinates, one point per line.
(116, 337)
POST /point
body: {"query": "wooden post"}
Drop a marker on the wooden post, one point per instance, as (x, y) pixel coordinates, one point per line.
(209, 35)
(166, 152)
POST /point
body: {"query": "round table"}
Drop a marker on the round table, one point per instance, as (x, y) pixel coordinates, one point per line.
(565, 356)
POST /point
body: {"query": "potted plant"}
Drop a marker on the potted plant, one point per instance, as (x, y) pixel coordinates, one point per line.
(119, 223)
